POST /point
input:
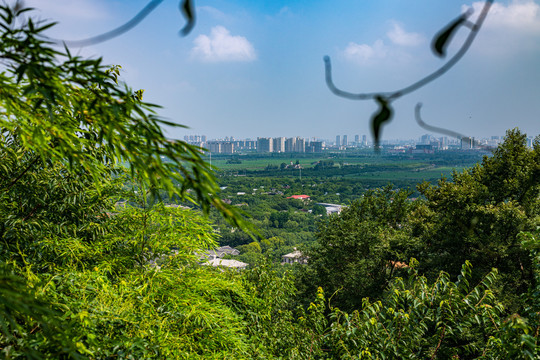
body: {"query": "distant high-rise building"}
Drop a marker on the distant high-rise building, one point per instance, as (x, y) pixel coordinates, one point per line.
(279, 144)
(467, 143)
(364, 140)
(345, 143)
(300, 145)
(290, 144)
(338, 140)
(214, 147)
(227, 148)
(356, 140)
(246, 144)
(443, 143)
(198, 140)
(426, 139)
(315, 147)
(264, 145)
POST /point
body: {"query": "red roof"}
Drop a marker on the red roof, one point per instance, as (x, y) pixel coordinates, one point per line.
(302, 197)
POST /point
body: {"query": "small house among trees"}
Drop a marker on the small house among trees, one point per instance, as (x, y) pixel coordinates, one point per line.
(229, 263)
(294, 257)
(222, 251)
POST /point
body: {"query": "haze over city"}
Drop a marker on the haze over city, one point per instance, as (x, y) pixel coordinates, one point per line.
(252, 67)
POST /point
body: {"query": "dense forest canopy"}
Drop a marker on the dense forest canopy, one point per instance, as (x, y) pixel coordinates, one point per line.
(93, 264)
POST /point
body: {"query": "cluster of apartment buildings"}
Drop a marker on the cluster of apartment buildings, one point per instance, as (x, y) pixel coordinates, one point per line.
(465, 143)
(426, 144)
(289, 145)
(229, 145)
(429, 144)
(343, 141)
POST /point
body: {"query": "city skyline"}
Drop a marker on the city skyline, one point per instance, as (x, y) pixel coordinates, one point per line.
(427, 143)
(252, 67)
(358, 138)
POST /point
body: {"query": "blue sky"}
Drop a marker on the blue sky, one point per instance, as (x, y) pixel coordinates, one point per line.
(255, 68)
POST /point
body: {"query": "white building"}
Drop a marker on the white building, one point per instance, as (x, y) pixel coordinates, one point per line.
(228, 263)
(294, 257)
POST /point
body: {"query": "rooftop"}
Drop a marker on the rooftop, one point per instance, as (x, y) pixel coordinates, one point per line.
(302, 197)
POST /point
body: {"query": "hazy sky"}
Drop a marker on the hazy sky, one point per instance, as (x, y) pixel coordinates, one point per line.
(255, 68)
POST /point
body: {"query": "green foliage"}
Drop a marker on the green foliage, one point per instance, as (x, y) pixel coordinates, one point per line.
(62, 108)
(418, 320)
(319, 210)
(29, 327)
(278, 328)
(121, 281)
(92, 265)
(234, 161)
(149, 313)
(528, 326)
(47, 193)
(478, 215)
(512, 174)
(355, 251)
(110, 286)
(279, 219)
(324, 164)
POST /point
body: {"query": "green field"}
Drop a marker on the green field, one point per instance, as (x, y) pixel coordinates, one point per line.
(421, 175)
(258, 164)
(361, 165)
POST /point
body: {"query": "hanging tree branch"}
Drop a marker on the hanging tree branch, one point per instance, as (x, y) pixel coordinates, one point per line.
(436, 129)
(441, 130)
(186, 7)
(439, 45)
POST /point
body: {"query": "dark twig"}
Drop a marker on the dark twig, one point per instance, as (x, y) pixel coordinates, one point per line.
(185, 6)
(115, 32)
(338, 92)
(436, 129)
(32, 212)
(440, 130)
(384, 99)
(392, 95)
(453, 60)
(439, 344)
(22, 173)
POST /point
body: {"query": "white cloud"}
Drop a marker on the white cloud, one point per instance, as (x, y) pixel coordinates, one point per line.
(400, 37)
(221, 46)
(363, 53)
(367, 54)
(522, 15)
